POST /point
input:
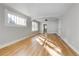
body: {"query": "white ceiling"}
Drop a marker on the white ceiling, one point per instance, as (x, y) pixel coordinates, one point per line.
(50, 19)
(39, 10)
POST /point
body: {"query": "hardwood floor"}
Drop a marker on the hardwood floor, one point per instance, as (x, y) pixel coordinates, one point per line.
(39, 45)
(59, 45)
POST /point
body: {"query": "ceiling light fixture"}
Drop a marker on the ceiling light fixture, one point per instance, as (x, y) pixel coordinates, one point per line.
(46, 20)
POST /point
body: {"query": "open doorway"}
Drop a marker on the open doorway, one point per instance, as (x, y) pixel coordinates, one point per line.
(44, 28)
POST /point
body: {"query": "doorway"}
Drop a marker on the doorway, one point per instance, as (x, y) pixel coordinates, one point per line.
(44, 28)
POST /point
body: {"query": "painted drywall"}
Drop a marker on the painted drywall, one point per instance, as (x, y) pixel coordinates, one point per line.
(69, 26)
(10, 34)
(52, 26)
(41, 9)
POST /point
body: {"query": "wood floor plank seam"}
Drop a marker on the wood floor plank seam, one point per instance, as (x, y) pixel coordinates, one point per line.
(31, 47)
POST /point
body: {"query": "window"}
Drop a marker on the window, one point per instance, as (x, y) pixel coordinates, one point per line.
(34, 26)
(13, 19)
(16, 20)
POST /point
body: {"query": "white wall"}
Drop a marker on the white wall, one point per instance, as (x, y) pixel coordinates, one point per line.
(52, 26)
(69, 27)
(10, 34)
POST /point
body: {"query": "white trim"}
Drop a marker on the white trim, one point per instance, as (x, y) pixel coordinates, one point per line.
(12, 12)
(5, 45)
(13, 42)
(68, 43)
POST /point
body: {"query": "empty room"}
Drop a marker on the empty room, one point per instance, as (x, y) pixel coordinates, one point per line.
(39, 29)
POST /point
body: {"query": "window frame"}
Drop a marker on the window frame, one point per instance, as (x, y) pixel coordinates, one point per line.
(34, 26)
(7, 11)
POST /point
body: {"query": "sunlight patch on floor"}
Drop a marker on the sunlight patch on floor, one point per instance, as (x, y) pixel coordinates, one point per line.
(51, 51)
(41, 38)
(55, 47)
(39, 41)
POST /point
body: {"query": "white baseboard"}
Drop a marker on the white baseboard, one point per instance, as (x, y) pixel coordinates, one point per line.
(68, 42)
(13, 42)
(10, 43)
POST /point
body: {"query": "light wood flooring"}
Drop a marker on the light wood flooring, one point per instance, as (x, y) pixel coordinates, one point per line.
(39, 45)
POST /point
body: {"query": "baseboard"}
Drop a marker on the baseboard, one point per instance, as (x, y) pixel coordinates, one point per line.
(68, 43)
(13, 42)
